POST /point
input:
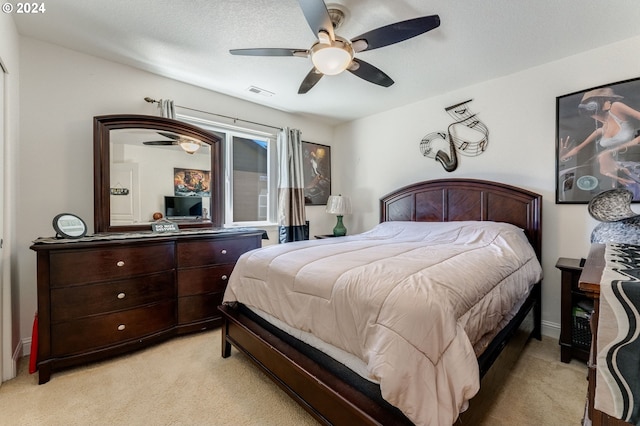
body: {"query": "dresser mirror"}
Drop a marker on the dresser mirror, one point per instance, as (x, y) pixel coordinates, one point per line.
(148, 168)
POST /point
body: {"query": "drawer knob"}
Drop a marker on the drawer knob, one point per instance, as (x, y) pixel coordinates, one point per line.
(120, 263)
(121, 295)
(121, 327)
(223, 251)
(224, 277)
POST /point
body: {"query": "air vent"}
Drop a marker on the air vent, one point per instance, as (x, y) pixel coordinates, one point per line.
(259, 91)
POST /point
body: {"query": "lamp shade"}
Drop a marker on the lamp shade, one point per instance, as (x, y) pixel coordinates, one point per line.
(190, 146)
(331, 57)
(331, 60)
(339, 205)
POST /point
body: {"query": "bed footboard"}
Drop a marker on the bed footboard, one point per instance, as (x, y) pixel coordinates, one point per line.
(328, 398)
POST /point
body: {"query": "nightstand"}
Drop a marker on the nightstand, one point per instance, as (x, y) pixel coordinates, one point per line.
(321, 237)
(575, 311)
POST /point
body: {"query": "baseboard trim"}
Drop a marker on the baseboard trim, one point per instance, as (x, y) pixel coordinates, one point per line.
(551, 329)
(13, 365)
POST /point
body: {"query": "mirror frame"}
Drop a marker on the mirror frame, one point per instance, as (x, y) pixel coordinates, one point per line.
(102, 126)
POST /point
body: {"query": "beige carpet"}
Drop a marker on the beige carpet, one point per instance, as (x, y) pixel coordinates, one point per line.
(185, 382)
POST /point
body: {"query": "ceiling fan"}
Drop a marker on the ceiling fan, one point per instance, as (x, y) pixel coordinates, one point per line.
(190, 146)
(332, 54)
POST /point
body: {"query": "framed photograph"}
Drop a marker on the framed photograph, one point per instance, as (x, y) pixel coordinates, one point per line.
(192, 182)
(316, 166)
(597, 136)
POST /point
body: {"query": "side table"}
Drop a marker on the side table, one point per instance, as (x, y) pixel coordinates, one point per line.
(575, 310)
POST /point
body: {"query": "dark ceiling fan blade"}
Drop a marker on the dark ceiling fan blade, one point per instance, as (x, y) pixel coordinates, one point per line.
(159, 143)
(270, 52)
(169, 135)
(309, 81)
(317, 16)
(395, 33)
(368, 72)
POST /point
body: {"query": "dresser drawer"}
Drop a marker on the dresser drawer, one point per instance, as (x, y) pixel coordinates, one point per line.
(198, 308)
(203, 280)
(214, 251)
(108, 264)
(78, 301)
(105, 330)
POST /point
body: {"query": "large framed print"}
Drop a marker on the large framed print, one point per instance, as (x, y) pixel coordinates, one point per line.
(597, 136)
(316, 171)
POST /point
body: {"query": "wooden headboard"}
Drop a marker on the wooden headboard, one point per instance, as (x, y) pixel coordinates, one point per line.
(447, 200)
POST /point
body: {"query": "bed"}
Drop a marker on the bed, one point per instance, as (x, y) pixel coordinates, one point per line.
(335, 394)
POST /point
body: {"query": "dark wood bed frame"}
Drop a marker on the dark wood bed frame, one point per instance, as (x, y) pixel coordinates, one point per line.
(334, 400)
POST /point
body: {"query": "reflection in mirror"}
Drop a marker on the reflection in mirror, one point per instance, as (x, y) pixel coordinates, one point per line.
(149, 167)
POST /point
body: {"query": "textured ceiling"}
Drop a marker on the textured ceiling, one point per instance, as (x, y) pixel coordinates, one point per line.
(189, 40)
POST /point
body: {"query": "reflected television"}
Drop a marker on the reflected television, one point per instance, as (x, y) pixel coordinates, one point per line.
(182, 207)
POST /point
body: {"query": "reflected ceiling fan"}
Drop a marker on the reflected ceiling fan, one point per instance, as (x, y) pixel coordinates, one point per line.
(332, 54)
(187, 144)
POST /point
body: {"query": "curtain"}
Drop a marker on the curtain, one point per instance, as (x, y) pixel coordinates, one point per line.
(167, 110)
(291, 214)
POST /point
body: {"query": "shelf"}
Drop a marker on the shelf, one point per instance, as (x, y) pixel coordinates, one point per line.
(575, 331)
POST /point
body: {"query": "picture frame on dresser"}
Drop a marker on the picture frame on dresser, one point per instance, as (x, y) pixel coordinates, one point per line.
(591, 154)
(68, 225)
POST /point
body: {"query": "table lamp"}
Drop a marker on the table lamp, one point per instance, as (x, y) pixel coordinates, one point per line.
(339, 205)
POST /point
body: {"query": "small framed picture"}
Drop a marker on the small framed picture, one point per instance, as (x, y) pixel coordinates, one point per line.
(68, 225)
(316, 166)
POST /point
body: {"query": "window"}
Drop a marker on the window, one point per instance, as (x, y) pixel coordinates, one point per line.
(250, 173)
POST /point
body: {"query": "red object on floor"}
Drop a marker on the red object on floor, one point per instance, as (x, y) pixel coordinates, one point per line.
(33, 357)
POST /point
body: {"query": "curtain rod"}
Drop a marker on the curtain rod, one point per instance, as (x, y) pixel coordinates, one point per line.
(150, 100)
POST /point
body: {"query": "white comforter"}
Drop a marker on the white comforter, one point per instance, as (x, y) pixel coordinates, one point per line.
(405, 298)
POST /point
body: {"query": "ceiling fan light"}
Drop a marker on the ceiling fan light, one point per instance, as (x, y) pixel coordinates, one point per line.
(331, 60)
(189, 146)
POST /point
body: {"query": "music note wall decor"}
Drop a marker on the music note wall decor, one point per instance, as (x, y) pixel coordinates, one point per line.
(467, 136)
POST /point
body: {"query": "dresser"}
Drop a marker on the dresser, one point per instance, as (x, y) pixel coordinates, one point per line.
(590, 285)
(99, 297)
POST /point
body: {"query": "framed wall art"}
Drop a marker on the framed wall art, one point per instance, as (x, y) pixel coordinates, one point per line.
(597, 136)
(316, 168)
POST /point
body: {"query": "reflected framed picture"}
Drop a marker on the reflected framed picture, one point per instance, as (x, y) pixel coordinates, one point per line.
(316, 167)
(597, 136)
(192, 182)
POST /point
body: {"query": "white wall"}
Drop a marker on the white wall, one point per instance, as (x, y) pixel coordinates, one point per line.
(61, 91)
(9, 287)
(380, 153)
